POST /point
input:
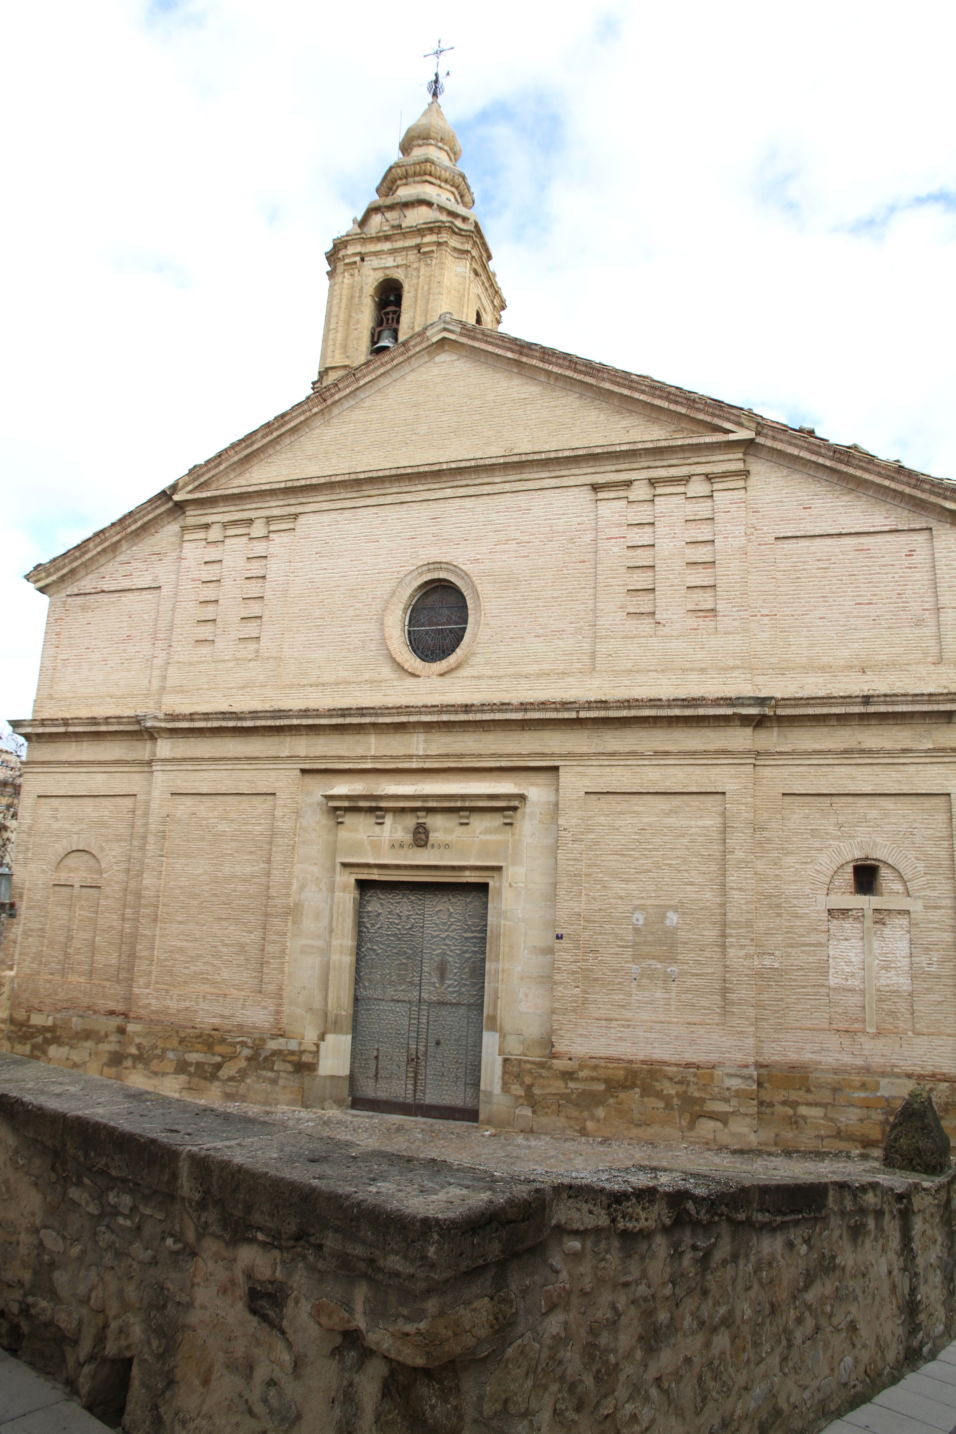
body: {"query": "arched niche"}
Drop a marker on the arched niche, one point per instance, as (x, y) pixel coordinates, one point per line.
(386, 315)
(72, 915)
(869, 947)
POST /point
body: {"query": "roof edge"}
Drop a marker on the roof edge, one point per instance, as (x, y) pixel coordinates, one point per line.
(103, 542)
(641, 387)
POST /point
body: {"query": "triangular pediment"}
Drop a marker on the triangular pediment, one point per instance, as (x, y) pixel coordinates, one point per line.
(458, 401)
(454, 401)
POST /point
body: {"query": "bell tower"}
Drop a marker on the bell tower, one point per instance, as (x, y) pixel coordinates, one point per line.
(417, 252)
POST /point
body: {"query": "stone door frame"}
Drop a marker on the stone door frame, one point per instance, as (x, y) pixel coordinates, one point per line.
(418, 1106)
(344, 945)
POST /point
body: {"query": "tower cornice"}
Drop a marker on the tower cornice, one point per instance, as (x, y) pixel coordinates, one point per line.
(446, 227)
(408, 171)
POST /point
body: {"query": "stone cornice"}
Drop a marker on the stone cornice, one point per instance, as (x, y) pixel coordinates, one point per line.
(343, 800)
(698, 455)
(445, 223)
(446, 176)
(748, 709)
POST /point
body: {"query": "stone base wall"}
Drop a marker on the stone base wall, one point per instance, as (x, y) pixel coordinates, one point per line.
(837, 1110)
(201, 1065)
(636, 1102)
(736, 1107)
(741, 1106)
(183, 1267)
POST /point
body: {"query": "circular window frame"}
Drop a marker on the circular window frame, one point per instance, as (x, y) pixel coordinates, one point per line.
(400, 602)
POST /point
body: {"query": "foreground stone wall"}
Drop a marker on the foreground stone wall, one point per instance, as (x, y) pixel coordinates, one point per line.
(192, 1270)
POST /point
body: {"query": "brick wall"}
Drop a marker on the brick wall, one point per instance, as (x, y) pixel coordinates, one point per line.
(620, 551)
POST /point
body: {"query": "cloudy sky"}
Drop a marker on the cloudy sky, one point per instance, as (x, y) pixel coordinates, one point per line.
(754, 201)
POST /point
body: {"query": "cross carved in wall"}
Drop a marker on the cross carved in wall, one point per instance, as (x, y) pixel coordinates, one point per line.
(869, 904)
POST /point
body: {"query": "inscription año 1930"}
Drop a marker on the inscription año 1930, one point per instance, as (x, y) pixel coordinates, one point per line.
(402, 845)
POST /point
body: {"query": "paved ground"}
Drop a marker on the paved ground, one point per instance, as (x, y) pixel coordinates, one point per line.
(508, 1152)
(32, 1404)
(923, 1403)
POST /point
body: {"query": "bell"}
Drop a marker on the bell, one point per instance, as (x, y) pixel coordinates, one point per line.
(386, 340)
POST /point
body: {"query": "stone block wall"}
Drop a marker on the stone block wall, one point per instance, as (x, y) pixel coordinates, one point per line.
(731, 1107)
(203, 1065)
(801, 1109)
(789, 1109)
(185, 1268)
(632, 1101)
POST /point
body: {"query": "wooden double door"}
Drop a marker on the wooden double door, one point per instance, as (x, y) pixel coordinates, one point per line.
(419, 998)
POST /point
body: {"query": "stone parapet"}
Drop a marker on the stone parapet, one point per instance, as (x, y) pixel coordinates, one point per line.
(190, 1267)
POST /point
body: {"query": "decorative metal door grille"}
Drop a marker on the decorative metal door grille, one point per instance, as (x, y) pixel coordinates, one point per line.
(419, 998)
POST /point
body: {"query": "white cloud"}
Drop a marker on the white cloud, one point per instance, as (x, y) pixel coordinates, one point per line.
(683, 190)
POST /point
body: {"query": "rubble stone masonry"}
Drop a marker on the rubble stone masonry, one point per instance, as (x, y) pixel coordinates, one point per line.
(185, 1267)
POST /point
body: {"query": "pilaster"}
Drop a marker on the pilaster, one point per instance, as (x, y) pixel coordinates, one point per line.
(669, 554)
(610, 563)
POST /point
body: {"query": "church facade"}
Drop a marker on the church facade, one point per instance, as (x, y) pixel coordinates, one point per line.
(497, 735)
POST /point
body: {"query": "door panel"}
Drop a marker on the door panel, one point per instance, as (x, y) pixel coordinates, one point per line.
(419, 997)
(383, 1033)
(450, 1066)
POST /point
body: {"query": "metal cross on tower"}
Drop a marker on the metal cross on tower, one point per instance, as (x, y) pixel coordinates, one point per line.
(435, 86)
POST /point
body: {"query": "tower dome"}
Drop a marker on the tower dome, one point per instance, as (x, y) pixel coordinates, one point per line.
(431, 128)
(416, 253)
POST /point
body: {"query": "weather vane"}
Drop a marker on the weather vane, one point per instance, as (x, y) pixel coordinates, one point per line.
(435, 86)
